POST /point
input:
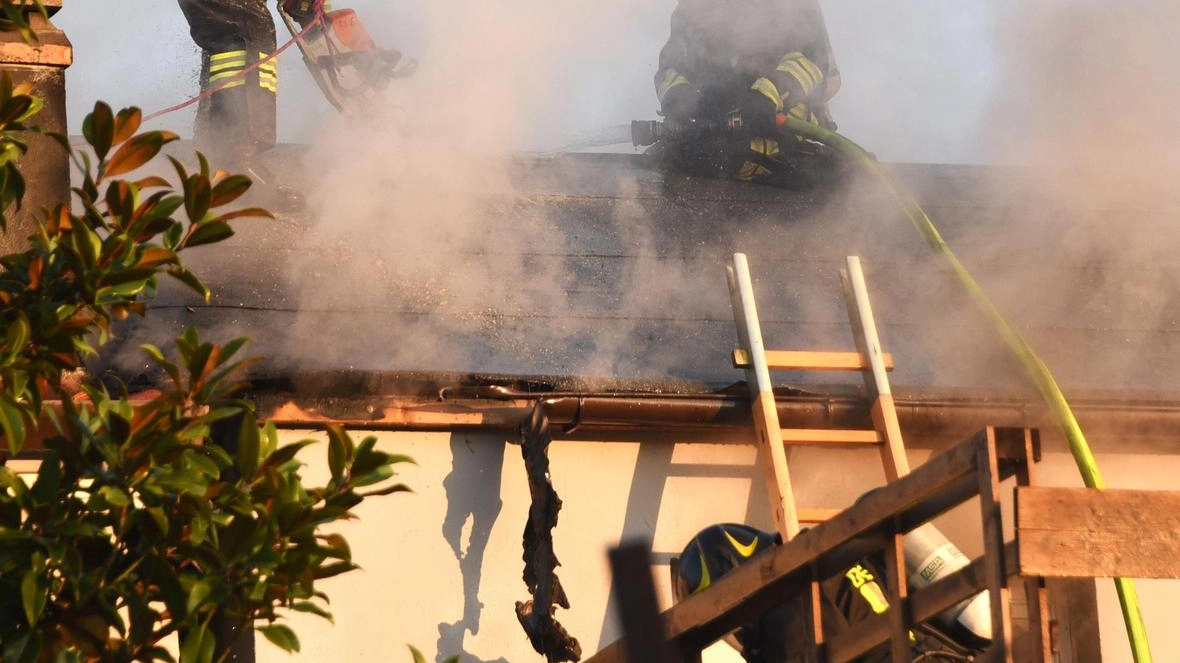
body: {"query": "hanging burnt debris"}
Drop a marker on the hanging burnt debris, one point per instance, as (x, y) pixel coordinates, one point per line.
(547, 636)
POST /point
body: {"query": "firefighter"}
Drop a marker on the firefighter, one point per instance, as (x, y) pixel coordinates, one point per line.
(780, 634)
(236, 123)
(753, 60)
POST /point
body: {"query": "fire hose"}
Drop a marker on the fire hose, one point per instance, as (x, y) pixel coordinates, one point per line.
(648, 132)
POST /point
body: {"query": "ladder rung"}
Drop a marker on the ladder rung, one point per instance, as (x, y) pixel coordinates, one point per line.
(807, 360)
(831, 436)
(815, 515)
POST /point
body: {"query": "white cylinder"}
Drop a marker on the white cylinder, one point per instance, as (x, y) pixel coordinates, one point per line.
(929, 556)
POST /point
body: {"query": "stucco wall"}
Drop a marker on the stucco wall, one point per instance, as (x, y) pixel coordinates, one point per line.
(442, 567)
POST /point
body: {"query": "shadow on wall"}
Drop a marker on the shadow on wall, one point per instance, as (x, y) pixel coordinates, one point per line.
(473, 494)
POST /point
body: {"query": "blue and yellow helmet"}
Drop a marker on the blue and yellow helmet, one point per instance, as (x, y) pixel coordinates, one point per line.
(715, 551)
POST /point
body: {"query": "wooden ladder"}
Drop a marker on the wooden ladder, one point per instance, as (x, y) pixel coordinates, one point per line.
(868, 358)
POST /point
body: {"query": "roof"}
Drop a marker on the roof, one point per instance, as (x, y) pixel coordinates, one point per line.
(595, 268)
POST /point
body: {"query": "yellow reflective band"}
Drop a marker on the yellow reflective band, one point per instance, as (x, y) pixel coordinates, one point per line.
(224, 75)
(743, 550)
(811, 68)
(765, 146)
(796, 71)
(750, 171)
(236, 64)
(270, 88)
(768, 88)
(237, 83)
(267, 68)
(705, 580)
(671, 80)
(217, 57)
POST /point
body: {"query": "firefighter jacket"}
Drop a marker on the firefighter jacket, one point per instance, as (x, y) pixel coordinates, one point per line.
(721, 50)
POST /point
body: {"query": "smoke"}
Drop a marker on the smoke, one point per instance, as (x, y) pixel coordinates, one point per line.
(430, 211)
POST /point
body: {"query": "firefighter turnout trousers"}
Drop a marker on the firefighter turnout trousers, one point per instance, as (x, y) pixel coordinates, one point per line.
(238, 118)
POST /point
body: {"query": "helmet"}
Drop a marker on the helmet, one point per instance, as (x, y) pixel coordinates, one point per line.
(713, 552)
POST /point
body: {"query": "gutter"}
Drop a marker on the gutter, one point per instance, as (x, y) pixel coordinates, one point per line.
(927, 420)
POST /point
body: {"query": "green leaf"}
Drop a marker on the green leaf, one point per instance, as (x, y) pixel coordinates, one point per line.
(285, 453)
(313, 608)
(115, 496)
(33, 593)
(248, 447)
(208, 233)
(418, 657)
(126, 124)
(12, 421)
(247, 212)
(188, 278)
(197, 196)
(338, 452)
(197, 646)
(45, 488)
(138, 151)
(282, 636)
(229, 189)
(202, 464)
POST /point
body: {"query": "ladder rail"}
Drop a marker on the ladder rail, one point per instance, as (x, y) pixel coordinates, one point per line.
(764, 411)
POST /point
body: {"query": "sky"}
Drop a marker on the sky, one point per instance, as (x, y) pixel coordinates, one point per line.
(917, 74)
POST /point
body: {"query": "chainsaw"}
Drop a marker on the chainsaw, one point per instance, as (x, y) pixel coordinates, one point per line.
(347, 65)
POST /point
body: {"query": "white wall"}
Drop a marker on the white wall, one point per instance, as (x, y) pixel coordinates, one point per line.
(413, 588)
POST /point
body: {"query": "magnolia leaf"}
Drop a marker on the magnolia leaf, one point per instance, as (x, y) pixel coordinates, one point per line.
(197, 195)
(126, 124)
(338, 452)
(138, 151)
(209, 232)
(115, 496)
(281, 636)
(197, 646)
(248, 447)
(229, 189)
(33, 593)
(418, 657)
(246, 212)
(313, 608)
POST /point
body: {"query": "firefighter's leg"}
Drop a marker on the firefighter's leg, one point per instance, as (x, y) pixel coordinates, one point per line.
(237, 119)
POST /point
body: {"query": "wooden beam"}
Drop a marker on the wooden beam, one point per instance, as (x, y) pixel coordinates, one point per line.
(838, 436)
(811, 360)
(1081, 532)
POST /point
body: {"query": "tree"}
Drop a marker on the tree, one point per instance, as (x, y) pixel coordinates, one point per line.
(141, 524)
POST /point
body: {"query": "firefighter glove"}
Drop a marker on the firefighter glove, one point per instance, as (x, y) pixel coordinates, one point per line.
(758, 113)
(303, 11)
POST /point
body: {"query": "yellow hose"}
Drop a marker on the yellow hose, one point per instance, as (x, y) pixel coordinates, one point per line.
(1036, 369)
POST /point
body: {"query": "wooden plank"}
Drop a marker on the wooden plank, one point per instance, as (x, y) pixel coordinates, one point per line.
(1080, 532)
(995, 570)
(838, 436)
(898, 594)
(773, 458)
(764, 410)
(893, 456)
(811, 360)
(752, 587)
(1075, 633)
(864, 332)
